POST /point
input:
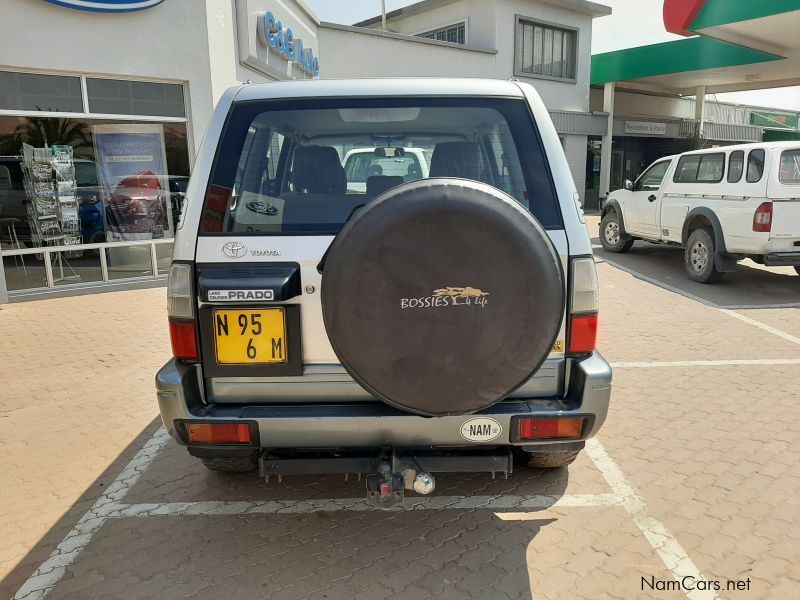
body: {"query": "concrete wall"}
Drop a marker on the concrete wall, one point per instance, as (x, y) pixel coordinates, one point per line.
(40, 36)
(360, 52)
(491, 25)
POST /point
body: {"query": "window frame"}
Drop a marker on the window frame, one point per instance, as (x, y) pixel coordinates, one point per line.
(519, 20)
(780, 161)
(650, 168)
(700, 156)
(428, 33)
(763, 165)
(741, 173)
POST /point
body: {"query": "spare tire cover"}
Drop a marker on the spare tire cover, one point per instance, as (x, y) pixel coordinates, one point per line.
(442, 296)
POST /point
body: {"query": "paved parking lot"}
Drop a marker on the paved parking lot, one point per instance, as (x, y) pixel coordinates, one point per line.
(696, 474)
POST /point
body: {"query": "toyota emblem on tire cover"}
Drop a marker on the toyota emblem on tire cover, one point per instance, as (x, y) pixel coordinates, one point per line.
(234, 249)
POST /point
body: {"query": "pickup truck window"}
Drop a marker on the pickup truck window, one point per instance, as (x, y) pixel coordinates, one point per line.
(735, 166)
(652, 178)
(700, 168)
(755, 165)
(790, 167)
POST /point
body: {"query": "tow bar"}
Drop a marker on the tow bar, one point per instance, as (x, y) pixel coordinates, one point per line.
(389, 472)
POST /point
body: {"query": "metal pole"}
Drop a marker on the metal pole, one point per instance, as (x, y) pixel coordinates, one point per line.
(3, 288)
(700, 110)
(608, 140)
(383, 15)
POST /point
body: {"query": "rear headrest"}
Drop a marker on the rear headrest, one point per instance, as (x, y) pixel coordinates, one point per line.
(317, 170)
(457, 159)
(377, 184)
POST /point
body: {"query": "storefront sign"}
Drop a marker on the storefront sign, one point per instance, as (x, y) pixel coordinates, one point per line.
(132, 171)
(107, 5)
(273, 36)
(764, 118)
(645, 128)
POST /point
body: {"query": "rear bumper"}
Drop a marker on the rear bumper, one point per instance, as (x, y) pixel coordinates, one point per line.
(374, 424)
(783, 259)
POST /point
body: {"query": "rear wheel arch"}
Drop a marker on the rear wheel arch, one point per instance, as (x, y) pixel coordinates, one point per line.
(700, 218)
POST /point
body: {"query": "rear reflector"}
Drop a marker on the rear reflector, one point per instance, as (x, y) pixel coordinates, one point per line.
(582, 334)
(545, 429)
(218, 433)
(762, 218)
(184, 340)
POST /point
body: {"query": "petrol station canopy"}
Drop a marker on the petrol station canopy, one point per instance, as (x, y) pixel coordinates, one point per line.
(730, 46)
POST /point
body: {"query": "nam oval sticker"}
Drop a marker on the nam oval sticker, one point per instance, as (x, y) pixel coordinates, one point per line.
(481, 429)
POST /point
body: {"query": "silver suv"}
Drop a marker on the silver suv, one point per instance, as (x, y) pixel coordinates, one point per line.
(396, 329)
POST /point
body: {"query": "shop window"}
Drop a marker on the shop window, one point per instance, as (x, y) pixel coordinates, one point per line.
(735, 166)
(543, 50)
(755, 165)
(790, 167)
(34, 92)
(120, 97)
(452, 33)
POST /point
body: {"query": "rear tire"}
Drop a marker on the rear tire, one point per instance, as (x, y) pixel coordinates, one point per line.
(546, 460)
(230, 465)
(612, 235)
(699, 259)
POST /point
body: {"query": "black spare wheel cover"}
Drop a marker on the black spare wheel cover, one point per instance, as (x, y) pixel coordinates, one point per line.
(442, 296)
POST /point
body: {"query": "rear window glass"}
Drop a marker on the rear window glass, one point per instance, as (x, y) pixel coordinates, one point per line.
(303, 167)
(755, 165)
(790, 167)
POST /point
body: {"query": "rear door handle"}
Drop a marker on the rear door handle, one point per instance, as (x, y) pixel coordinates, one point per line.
(652, 197)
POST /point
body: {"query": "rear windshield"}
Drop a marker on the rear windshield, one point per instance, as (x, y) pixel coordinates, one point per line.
(303, 167)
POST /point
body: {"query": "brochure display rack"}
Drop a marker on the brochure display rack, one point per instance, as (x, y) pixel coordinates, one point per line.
(52, 201)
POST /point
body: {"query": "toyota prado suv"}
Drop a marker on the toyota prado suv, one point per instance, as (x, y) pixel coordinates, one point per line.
(395, 328)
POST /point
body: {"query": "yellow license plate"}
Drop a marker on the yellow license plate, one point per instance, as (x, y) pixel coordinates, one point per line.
(250, 337)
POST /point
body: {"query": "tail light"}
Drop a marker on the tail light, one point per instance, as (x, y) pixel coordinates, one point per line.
(180, 310)
(584, 303)
(545, 429)
(762, 218)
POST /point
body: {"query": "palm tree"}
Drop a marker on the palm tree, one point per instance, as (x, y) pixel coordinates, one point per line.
(47, 131)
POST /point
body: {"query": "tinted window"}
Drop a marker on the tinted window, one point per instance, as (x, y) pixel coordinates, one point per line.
(755, 165)
(652, 178)
(119, 97)
(307, 184)
(790, 167)
(700, 168)
(735, 166)
(30, 91)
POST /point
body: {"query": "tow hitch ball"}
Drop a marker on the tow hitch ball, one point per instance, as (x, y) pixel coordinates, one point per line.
(386, 489)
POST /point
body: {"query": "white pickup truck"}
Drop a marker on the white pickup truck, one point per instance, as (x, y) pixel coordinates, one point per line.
(721, 205)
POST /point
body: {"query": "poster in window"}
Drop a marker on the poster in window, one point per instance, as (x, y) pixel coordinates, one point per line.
(132, 172)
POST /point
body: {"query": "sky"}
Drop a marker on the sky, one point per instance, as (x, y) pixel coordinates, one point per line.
(633, 23)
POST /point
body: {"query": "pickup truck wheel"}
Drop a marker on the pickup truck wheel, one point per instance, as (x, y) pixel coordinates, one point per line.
(230, 465)
(546, 460)
(611, 236)
(699, 257)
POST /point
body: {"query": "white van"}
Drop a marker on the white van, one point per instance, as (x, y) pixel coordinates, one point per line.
(721, 204)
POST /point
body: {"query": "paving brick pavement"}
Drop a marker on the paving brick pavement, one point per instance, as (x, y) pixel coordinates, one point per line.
(712, 451)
